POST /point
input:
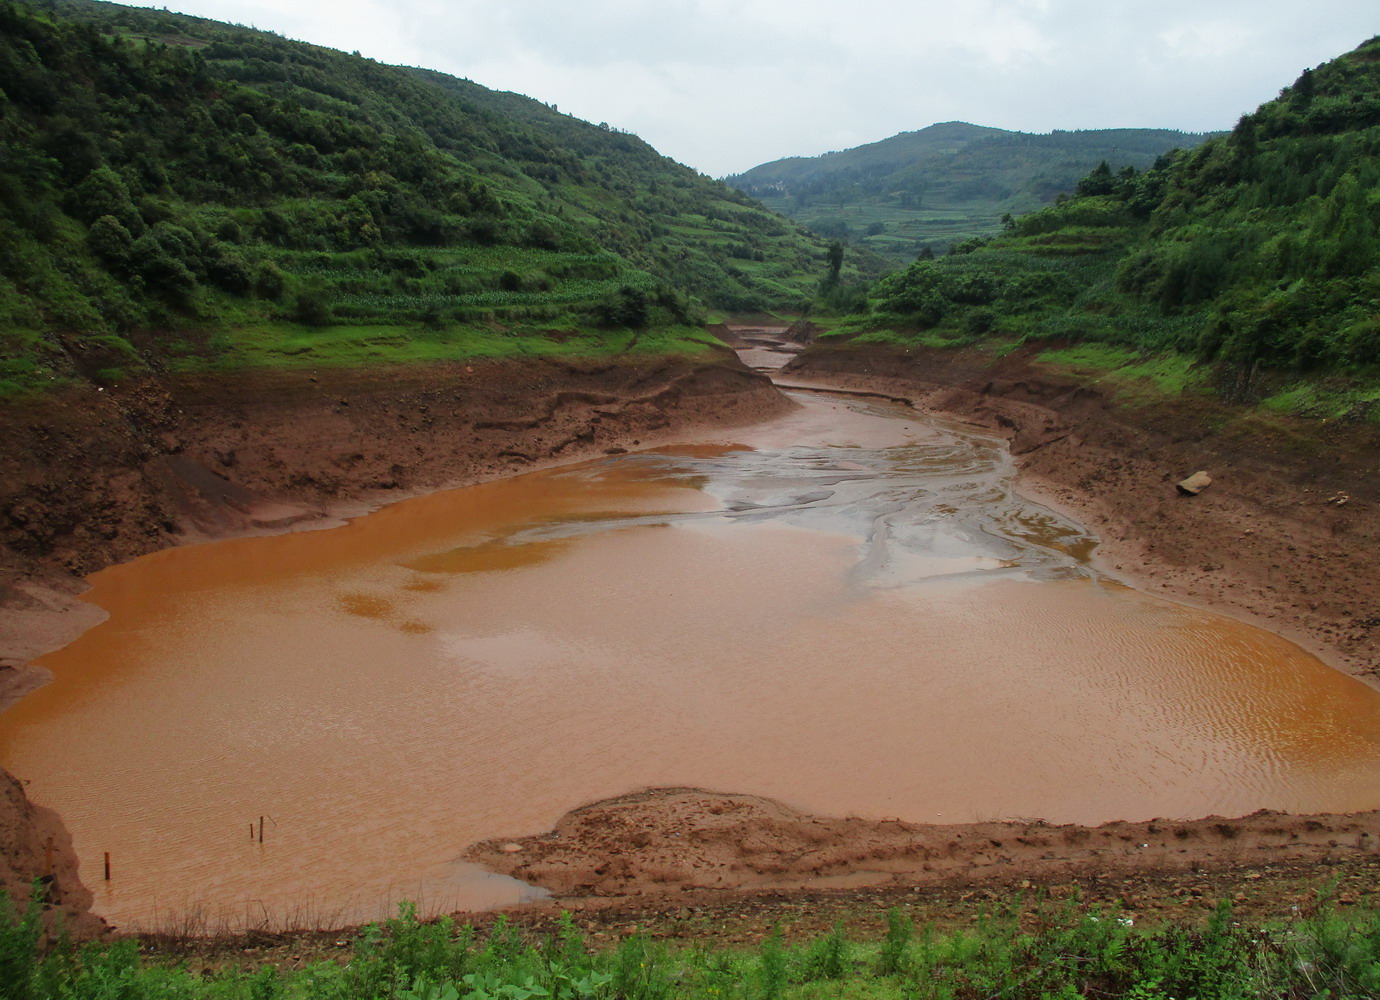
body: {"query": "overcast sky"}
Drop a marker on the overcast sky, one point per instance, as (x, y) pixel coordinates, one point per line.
(723, 85)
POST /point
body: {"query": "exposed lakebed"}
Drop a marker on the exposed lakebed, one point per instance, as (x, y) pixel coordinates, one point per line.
(845, 609)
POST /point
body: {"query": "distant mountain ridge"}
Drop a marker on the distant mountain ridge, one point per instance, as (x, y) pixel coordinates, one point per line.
(944, 183)
(1258, 253)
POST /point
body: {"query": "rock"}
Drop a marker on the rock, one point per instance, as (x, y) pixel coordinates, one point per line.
(1195, 484)
(511, 848)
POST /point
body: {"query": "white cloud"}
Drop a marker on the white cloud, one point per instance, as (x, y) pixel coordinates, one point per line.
(725, 84)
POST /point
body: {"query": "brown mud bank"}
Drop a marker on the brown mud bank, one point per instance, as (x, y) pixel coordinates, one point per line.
(680, 840)
(35, 845)
(1286, 536)
(95, 476)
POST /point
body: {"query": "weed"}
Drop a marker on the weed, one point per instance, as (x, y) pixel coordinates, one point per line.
(1020, 948)
(828, 957)
(894, 956)
(19, 945)
(773, 966)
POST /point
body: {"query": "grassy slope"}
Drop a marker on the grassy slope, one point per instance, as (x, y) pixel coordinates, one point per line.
(1249, 267)
(180, 192)
(683, 236)
(945, 183)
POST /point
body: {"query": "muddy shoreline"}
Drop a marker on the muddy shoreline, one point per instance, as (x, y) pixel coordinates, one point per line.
(1284, 538)
(676, 840)
(89, 480)
(100, 475)
(1268, 543)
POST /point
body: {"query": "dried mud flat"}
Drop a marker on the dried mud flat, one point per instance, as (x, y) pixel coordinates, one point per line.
(685, 864)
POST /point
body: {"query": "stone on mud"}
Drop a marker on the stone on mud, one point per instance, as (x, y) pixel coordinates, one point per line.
(1195, 484)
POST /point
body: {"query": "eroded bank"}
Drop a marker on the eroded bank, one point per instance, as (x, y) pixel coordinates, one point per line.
(845, 608)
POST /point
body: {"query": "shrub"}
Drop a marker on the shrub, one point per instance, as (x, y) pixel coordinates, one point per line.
(19, 945)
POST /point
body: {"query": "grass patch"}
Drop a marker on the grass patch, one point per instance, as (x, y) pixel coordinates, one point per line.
(1329, 399)
(270, 346)
(1029, 946)
(1088, 359)
(896, 338)
(1137, 376)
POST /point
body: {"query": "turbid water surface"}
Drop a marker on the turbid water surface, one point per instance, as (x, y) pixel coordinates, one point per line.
(845, 609)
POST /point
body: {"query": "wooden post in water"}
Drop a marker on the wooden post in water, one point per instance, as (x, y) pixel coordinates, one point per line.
(261, 829)
(107, 866)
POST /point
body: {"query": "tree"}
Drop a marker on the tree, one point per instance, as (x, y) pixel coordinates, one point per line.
(835, 261)
(103, 192)
(110, 241)
(628, 307)
(1100, 181)
(1302, 90)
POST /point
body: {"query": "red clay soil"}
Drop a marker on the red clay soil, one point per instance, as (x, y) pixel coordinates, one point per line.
(92, 477)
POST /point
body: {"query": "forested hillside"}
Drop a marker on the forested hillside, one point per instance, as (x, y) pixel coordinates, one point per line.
(175, 191)
(944, 183)
(1260, 249)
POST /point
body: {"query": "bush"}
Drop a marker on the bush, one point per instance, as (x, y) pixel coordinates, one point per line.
(312, 305)
(110, 241)
(626, 308)
(19, 946)
(269, 281)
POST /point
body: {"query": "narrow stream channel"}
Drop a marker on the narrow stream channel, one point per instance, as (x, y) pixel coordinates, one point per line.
(846, 609)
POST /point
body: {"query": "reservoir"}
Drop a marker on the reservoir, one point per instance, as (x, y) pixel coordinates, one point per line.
(846, 609)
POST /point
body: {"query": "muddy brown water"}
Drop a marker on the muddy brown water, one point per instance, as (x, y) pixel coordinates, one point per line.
(846, 609)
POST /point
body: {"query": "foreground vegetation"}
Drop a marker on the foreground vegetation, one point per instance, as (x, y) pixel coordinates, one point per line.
(171, 187)
(1033, 947)
(944, 184)
(1257, 254)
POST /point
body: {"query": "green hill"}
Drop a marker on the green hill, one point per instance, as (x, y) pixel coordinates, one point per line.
(1258, 251)
(945, 183)
(184, 193)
